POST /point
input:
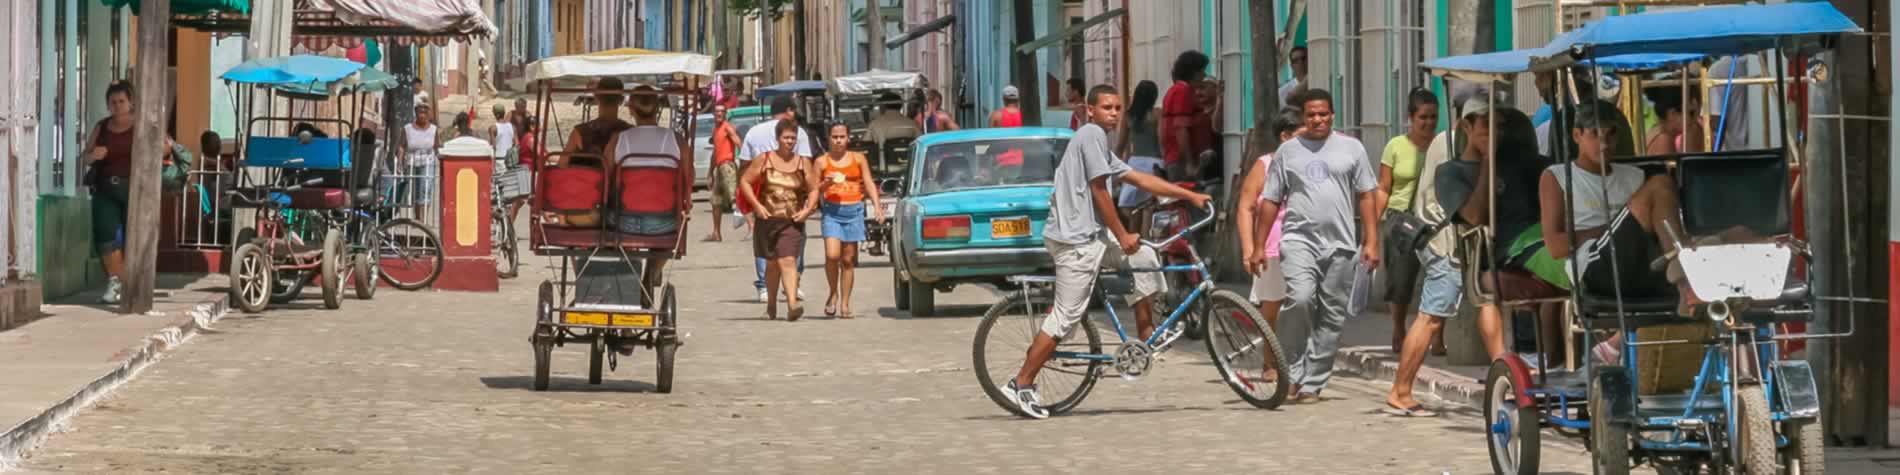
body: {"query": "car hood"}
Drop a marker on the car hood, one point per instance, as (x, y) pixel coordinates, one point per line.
(984, 200)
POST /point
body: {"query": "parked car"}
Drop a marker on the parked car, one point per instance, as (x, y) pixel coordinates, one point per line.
(972, 211)
(742, 118)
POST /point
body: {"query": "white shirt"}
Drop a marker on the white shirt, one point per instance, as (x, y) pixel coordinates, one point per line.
(659, 143)
(504, 138)
(420, 144)
(1286, 93)
(763, 138)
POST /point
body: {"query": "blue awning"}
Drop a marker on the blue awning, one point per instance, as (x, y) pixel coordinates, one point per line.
(1713, 31)
(299, 69)
(1500, 65)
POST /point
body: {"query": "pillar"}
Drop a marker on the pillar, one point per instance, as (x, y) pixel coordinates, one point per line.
(468, 168)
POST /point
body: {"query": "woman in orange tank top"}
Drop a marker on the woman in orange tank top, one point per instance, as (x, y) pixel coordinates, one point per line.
(845, 179)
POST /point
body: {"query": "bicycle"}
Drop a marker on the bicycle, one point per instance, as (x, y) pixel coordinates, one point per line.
(512, 183)
(1235, 330)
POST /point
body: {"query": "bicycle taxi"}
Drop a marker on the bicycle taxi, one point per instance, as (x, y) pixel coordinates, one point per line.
(856, 96)
(305, 185)
(1687, 393)
(599, 297)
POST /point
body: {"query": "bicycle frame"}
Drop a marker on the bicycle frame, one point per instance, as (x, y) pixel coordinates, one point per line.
(1174, 317)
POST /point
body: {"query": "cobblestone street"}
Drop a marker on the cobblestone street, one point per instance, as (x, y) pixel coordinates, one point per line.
(438, 383)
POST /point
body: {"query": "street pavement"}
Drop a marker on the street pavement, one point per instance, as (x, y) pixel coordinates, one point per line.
(437, 382)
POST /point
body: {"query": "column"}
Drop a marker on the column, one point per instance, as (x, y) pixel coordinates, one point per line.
(468, 260)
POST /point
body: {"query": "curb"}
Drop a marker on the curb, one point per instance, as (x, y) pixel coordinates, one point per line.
(17, 441)
(1379, 364)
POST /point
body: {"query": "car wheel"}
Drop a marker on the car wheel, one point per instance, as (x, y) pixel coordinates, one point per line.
(923, 299)
(900, 290)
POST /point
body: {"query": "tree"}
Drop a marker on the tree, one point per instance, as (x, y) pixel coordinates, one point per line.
(772, 9)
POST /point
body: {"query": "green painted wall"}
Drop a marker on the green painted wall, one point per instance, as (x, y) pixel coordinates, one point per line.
(69, 263)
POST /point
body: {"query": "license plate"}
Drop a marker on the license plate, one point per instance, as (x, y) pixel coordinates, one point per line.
(608, 320)
(1003, 228)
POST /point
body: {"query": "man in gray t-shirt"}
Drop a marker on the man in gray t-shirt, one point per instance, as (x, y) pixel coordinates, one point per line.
(1319, 177)
(1079, 233)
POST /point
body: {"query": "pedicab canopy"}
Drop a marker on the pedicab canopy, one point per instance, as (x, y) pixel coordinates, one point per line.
(623, 62)
(789, 88)
(1500, 66)
(1714, 31)
(870, 82)
(295, 69)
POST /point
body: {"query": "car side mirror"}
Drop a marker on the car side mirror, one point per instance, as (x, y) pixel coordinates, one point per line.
(890, 187)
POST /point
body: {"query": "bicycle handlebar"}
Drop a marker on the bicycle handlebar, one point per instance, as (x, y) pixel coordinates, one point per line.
(1211, 214)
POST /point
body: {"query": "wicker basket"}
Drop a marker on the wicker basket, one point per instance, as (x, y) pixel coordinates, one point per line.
(1670, 368)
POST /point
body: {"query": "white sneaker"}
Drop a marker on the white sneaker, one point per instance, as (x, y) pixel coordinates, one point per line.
(762, 296)
(113, 288)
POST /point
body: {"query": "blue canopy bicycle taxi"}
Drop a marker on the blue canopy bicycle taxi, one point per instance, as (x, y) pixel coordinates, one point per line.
(1701, 391)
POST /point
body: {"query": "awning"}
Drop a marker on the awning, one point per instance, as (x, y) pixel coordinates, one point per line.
(191, 7)
(321, 24)
(1500, 66)
(873, 81)
(296, 69)
(918, 32)
(623, 62)
(1072, 31)
(366, 80)
(789, 87)
(1714, 31)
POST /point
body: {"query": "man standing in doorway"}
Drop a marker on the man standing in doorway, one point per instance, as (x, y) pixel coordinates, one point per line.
(1318, 176)
(760, 140)
(1011, 115)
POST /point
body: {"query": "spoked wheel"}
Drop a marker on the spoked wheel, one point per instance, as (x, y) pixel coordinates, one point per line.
(251, 278)
(1245, 350)
(332, 269)
(1805, 453)
(1194, 321)
(1609, 439)
(507, 260)
(1004, 336)
(668, 342)
(1755, 430)
(363, 276)
(410, 254)
(1511, 432)
(596, 357)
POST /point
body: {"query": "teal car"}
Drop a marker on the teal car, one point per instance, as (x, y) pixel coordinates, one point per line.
(742, 118)
(973, 207)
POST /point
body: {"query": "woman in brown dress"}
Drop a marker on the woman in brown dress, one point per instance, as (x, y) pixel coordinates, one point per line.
(789, 196)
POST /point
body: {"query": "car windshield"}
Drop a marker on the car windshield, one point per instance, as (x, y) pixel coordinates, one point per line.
(981, 163)
(703, 127)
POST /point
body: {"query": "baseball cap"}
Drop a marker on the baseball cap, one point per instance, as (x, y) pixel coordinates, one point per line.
(1475, 106)
(1010, 92)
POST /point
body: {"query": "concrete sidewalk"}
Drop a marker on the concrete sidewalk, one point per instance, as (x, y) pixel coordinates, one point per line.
(81, 350)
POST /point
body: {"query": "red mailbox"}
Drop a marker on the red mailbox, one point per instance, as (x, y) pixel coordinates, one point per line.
(468, 169)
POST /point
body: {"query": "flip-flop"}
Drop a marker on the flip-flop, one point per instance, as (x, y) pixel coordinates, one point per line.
(1414, 411)
(845, 315)
(710, 239)
(831, 309)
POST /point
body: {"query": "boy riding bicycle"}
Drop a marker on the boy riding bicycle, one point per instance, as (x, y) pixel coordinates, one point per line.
(1078, 236)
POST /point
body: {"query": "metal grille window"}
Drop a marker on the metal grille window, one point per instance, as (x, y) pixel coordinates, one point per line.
(1393, 45)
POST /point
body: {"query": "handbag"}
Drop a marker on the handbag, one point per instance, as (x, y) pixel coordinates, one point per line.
(177, 169)
(1409, 231)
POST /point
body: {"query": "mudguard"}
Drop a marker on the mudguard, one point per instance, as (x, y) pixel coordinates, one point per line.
(1521, 374)
(1618, 394)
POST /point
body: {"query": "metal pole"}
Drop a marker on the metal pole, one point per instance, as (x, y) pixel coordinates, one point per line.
(874, 28)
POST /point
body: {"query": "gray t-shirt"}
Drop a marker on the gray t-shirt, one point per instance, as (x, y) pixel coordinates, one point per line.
(1319, 189)
(1072, 218)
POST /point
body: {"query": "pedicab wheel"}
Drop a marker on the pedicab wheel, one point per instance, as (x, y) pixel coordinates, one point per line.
(543, 353)
(543, 338)
(411, 254)
(1756, 430)
(332, 268)
(1004, 336)
(363, 277)
(1511, 432)
(1240, 342)
(900, 291)
(668, 342)
(1609, 440)
(251, 278)
(507, 260)
(1806, 451)
(596, 357)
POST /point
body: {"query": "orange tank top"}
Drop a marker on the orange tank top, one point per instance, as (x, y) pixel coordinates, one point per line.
(843, 179)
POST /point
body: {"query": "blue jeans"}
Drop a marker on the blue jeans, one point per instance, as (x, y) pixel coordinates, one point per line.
(758, 265)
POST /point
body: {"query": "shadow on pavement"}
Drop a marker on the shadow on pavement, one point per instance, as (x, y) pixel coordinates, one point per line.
(943, 311)
(568, 385)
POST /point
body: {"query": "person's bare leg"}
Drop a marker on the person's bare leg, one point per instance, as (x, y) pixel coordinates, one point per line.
(1270, 310)
(833, 254)
(771, 283)
(1040, 351)
(114, 263)
(1553, 334)
(1144, 317)
(1491, 330)
(652, 277)
(1398, 325)
(1654, 204)
(717, 218)
(788, 275)
(1411, 358)
(847, 276)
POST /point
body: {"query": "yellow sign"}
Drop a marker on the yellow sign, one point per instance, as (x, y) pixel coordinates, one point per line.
(623, 320)
(586, 318)
(603, 319)
(467, 220)
(1009, 228)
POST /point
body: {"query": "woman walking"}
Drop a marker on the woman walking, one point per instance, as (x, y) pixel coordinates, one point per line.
(788, 195)
(845, 185)
(1399, 168)
(110, 177)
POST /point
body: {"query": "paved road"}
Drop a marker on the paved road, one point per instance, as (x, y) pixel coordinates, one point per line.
(438, 382)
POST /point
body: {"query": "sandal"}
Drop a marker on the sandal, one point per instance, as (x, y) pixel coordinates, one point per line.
(831, 308)
(845, 315)
(797, 312)
(1414, 411)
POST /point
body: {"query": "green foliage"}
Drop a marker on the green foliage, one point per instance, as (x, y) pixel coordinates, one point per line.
(756, 8)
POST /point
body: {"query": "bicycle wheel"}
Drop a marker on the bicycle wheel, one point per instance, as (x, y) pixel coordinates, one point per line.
(507, 261)
(1003, 338)
(1243, 347)
(411, 254)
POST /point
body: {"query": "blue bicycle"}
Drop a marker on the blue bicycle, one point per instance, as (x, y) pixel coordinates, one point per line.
(1239, 341)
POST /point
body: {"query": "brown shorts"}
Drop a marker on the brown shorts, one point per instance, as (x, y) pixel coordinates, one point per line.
(779, 237)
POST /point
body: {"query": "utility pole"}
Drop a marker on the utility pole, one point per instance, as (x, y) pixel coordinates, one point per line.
(801, 69)
(1266, 75)
(874, 28)
(148, 149)
(1027, 80)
